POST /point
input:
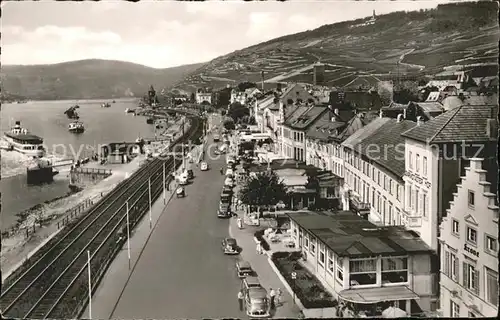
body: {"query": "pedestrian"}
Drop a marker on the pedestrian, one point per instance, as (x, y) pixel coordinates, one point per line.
(278, 296)
(259, 248)
(240, 300)
(272, 295)
(221, 171)
(240, 225)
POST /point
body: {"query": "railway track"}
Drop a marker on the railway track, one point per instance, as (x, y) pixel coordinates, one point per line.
(48, 286)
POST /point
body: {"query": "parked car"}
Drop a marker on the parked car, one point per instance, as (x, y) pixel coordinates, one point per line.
(224, 211)
(250, 282)
(243, 269)
(204, 166)
(216, 138)
(256, 303)
(183, 179)
(190, 174)
(225, 198)
(229, 182)
(180, 192)
(229, 246)
(230, 172)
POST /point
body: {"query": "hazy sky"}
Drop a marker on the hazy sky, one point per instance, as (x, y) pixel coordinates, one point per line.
(165, 33)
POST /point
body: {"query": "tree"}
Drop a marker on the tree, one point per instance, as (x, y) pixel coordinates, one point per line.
(242, 86)
(229, 124)
(265, 189)
(237, 111)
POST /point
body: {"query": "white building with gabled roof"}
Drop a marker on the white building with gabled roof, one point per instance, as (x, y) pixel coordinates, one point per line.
(469, 248)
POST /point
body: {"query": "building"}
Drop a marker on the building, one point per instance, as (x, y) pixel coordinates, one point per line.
(319, 136)
(469, 248)
(363, 264)
(413, 111)
(238, 96)
(374, 166)
(356, 100)
(436, 154)
(294, 128)
(203, 96)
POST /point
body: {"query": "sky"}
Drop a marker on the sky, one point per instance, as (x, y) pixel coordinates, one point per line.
(162, 34)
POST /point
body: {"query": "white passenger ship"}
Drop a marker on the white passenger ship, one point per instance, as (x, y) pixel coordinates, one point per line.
(21, 140)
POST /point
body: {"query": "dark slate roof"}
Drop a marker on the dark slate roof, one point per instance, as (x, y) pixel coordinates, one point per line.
(430, 107)
(324, 130)
(328, 179)
(381, 142)
(356, 123)
(465, 123)
(304, 116)
(349, 235)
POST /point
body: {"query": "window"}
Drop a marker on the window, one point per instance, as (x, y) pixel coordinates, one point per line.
(417, 165)
(330, 261)
(454, 309)
(391, 187)
(417, 200)
(471, 278)
(471, 198)
(491, 245)
(313, 246)
(362, 272)
(408, 198)
(340, 270)
(373, 174)
(306, 242)
(378, 178)
(394, 270)
(471, 235)
(411, 159)
(398, 193)
(425, 204)
(451, 265)
(491, 290)
(321, 259)
(424, 166)
(385, 182)
(455, 227)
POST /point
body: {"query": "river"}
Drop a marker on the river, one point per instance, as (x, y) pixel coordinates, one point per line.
(47, 119)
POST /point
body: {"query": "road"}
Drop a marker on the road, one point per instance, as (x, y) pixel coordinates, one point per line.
(182, 272)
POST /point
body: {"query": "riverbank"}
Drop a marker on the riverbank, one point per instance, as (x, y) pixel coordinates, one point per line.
(19, 247)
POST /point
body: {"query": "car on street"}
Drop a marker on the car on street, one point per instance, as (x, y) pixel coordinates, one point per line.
(226, 191)
(243, 268)
(204, 166)
(224, 211)
(257, 303)
(190, 174)
(225, 198)
(230, 159)
(250, 282)
(229, 172)
(183, 179)
(229, 246)
(180, 192)
(216, 138)
(229, 182)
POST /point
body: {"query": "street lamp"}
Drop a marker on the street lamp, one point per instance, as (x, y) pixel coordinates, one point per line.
(294, 277)
(150, 213)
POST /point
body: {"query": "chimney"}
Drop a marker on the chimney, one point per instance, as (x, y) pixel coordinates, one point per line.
(400, 117)
(419, 120)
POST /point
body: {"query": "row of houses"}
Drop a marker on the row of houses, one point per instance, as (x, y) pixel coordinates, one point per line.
(411, 168)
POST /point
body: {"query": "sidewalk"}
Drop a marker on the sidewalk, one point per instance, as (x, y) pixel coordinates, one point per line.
(260, 264)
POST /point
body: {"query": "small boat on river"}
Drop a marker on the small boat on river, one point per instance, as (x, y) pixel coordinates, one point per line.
(76, 127)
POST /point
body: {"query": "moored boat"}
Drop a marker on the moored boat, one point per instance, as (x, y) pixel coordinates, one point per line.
(71, 112)
(21, 140)
(76, 127)
(105, 105)
(129, 110)
(150, 120)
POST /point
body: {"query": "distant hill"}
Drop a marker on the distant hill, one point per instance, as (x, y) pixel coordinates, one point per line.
(364, 51)
(87, 79)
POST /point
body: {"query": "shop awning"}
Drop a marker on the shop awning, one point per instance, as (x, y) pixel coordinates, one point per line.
(374, 295)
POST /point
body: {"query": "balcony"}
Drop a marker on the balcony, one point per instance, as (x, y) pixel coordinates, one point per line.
(414, 222)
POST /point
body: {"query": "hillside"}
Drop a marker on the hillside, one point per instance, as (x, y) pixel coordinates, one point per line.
(87, 79)
(362, 52)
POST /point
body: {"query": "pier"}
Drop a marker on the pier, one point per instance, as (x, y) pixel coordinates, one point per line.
(80, 175)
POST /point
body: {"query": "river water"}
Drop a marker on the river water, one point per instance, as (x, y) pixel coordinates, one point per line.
(47, 119)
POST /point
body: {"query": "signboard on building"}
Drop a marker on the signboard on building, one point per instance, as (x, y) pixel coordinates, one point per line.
(418, 179)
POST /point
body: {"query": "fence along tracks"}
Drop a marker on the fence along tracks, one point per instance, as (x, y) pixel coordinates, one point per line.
(49, 286)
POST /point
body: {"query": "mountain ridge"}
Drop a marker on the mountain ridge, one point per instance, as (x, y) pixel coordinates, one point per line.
(87, 79)
(366, 50)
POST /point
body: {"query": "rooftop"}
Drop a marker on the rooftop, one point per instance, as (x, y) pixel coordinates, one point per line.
(304, 116)
(324, 129)
(464, 123)
(381, 142)
(349, 235)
